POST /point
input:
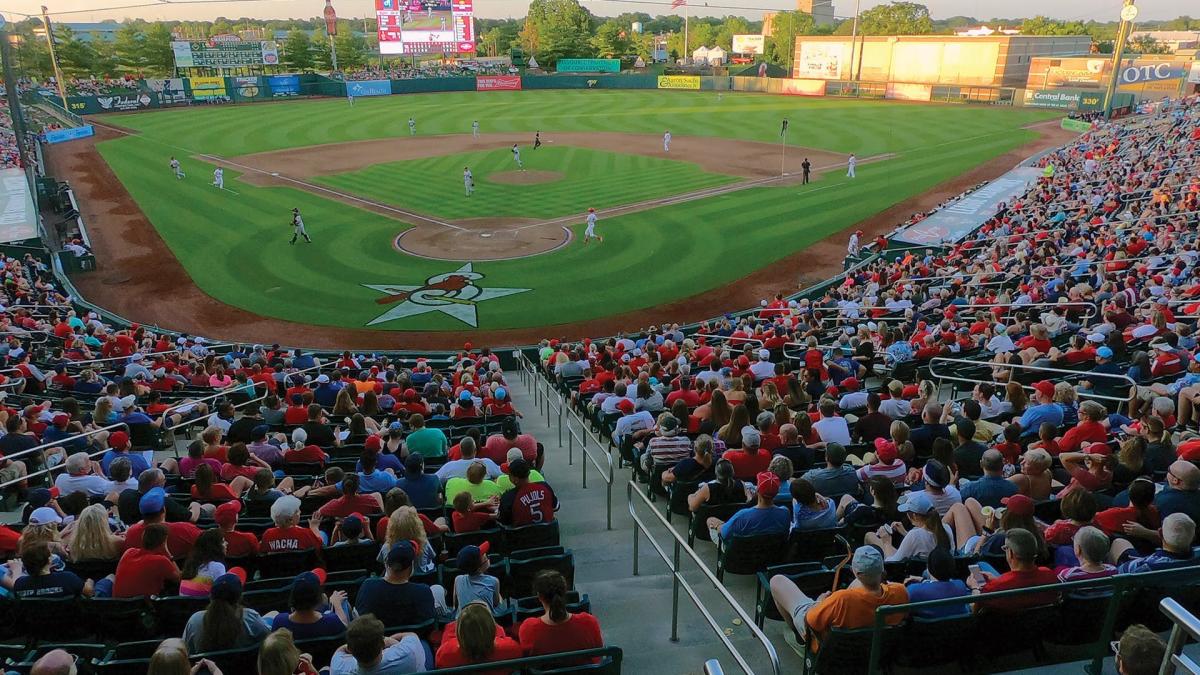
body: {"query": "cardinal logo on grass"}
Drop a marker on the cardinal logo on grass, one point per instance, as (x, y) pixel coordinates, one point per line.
(453, 293)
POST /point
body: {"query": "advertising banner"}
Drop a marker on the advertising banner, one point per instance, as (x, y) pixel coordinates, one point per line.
(18, 216)
(588, 66)
(210, 54)
(284, 85)
(820, 60)
(369, 88)
(678, 81)
(954, 222)
(909, 92)
(1078, 73)
(748, 44)
(90, 105)
(802, 87)
(1064, 100)
(168, 90)
(70, 134)
(208, 87)
(246, 87)
(498, 83)
(1155, 71)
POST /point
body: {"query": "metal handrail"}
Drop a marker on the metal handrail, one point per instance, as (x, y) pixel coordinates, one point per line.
(44, 446)
(678, 582)
(125, 358)
(713, 667)
(1020, 366)
(1184, 624)
(217, 395)
(727, 338)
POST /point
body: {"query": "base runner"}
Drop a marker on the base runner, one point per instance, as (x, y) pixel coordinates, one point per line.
(179, 174)
(468, 181)
(590, 232)
(298, 227)
(517, 156)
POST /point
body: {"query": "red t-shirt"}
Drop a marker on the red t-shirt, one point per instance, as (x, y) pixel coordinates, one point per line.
(581, 631)
(240, 544)
(229, 471)
(295, 414)
(142, 572)
(449, 655)
(471, 521)
(309, 453)
(1040, 576)
(345, 505)
(220, 453)
(295, 538)
(180, 537)
(1086, 431)
(1112, 520)
(746, 466)
(217, 492)
(531, 503)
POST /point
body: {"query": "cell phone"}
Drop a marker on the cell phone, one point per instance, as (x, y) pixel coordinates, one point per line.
(976, 572)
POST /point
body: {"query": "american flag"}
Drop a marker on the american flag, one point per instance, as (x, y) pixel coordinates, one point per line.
(676, 4)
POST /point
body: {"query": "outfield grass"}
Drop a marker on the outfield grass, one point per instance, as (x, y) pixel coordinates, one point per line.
(591, 178)
(235, 246)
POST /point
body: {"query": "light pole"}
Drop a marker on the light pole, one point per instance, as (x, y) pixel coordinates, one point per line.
(854, 37)
(58, 76)
(1129, 12)
(10, 92)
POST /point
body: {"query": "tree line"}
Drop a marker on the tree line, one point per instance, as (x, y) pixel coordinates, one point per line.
(551, 30)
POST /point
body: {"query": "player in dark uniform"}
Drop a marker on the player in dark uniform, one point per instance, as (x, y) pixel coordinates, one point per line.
(807, 167)
(537, 140)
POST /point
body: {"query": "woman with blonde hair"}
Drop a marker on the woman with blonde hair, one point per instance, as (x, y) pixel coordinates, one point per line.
(280, 656)
(926, 392)
(171, 658)
(475, 638)
(103, 414)
(1064, 396)
(768, 395)
(89, 537)
(899, 432)
(731, 433)
(344, 405)
(1034, 480)
(405, 525)
(737, 391)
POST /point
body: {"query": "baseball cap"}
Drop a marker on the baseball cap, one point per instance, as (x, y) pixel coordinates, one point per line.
(764, 354)
(227, 513)
(464, 396)
(401, 554)
(322, 379)
(768, 484)
(751, 437)
(867, 560)
(414, 462)
(260, 431)
(1044, 387)
(1018, 505)
(850, 384)
(44, 516)
(470, 558)
(1096, 337)
(61, 419)
(117, 440)
(152, 502)
(518, 469)
(501, 393)
(1104, 352)
(885, 450)
(310, 582)
(352, 525)
(227, 587)
(625, 406)
(38, 497)
(669, 426)
(373, 442)
(917, 502)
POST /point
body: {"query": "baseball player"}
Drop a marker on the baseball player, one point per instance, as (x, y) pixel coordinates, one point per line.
(667, 141)
(806, 167)
(590, 232)
(517, 156)
(298, 227)
(179, 175)
(219, 178)
(412, 127)
(537, 140)
(475, 129)
(468, 181)
(350, 97)
(855, 244)
(850, 164)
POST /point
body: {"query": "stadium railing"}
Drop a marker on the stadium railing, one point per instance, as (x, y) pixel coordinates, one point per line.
(1184, 625)
(550, 402)
(218, 395)
(634, 497)
(939, 377)
(49, 470)
(713, 667)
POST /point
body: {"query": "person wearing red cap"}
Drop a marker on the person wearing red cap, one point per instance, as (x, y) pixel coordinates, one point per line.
(887, 463)
(118, 444)
(633, 424)
(1044, 410)
(764, 518)
(238, 544)
(306, 620)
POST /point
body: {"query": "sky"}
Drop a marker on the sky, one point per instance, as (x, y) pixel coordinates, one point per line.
(93, 10)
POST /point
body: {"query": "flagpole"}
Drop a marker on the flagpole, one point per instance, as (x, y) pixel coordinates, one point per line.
(686, 52)
(783, 151)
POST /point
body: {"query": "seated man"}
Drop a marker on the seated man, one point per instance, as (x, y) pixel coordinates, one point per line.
(850, 608)
(992, 486)
(1020, 550)
(393, 598)
(1176, 533)
(368, 651)
(1140, 651)
(763, 518)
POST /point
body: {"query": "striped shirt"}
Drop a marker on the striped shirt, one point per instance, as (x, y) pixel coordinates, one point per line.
(669, 449)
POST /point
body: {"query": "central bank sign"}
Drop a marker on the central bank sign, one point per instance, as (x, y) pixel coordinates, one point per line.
(1152, 72)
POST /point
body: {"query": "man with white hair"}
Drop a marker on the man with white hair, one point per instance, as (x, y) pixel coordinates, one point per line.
(136, 368)
(831, 428)
(762, 369)
(80, 477)
(1177, 533)
(287, 535)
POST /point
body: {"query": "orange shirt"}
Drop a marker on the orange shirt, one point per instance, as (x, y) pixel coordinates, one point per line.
(853, 608)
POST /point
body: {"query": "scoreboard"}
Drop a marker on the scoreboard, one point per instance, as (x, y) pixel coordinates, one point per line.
(425, 26)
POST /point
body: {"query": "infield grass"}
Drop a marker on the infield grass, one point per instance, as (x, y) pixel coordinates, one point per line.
(235, 246)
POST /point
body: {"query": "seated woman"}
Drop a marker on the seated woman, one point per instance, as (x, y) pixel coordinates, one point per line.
(1091, 549)
(280, 656)
(976, 533)
(696, 468)
(723, 489)
(195, 457)
(225, 624)
(207, 486)
(876, 507)
(1090, 470)
(475, 638)
(91, 537)
(927, 530)
(313, 615)
(1034, 480)
(241, 464)
(171, 657)
(1078, 510)
(204, 563)
(1141, 511)
(557, 630)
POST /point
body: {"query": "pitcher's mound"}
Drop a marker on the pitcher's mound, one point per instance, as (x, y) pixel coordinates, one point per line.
(524, 177)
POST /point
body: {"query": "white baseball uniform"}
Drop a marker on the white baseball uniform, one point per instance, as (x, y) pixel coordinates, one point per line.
(219, 177)
(517, 157)
(850, 164)
(298, 228)
(853, 247)
(475, 129)
(177, 168)
(590, 232)
(468, 182)
(412, 127)
(667, 142)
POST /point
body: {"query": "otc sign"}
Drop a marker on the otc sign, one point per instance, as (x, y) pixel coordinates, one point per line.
(425, 26)
(1151, 72)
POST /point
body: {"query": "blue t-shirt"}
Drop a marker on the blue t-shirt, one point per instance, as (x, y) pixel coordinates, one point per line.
(136, 462)
(383, 462)
(920, 591)
(1036, 415)
(328, 625)
(406, 604)
(1158, 560)
(989, 490)
(774, 520)
(805, 518)
(376, 481)
(422, 490)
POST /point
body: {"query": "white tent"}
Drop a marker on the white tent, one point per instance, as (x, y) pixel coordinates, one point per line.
(717, 56)
(700, 54)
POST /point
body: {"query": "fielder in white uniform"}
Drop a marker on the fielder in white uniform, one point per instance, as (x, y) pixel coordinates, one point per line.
(412, 127)
(850, 164)
(468, 180)
(350, 97)
(219, 178)
(298, 227)
(855, 244)
(590, 232)
(177, 169)
(475, 129)
(517, 156)
(667, 142)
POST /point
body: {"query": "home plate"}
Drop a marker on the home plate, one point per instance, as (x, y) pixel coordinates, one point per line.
(486, 235)
(274, 173)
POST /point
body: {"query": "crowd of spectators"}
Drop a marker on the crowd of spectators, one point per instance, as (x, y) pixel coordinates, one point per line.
(397, 70)
(98, 86)
(1073, 311)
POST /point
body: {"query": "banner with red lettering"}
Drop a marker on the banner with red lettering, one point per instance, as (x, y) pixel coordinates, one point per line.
(498, 83)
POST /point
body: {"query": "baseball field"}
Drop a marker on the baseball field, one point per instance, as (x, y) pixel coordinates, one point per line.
(398, 246)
